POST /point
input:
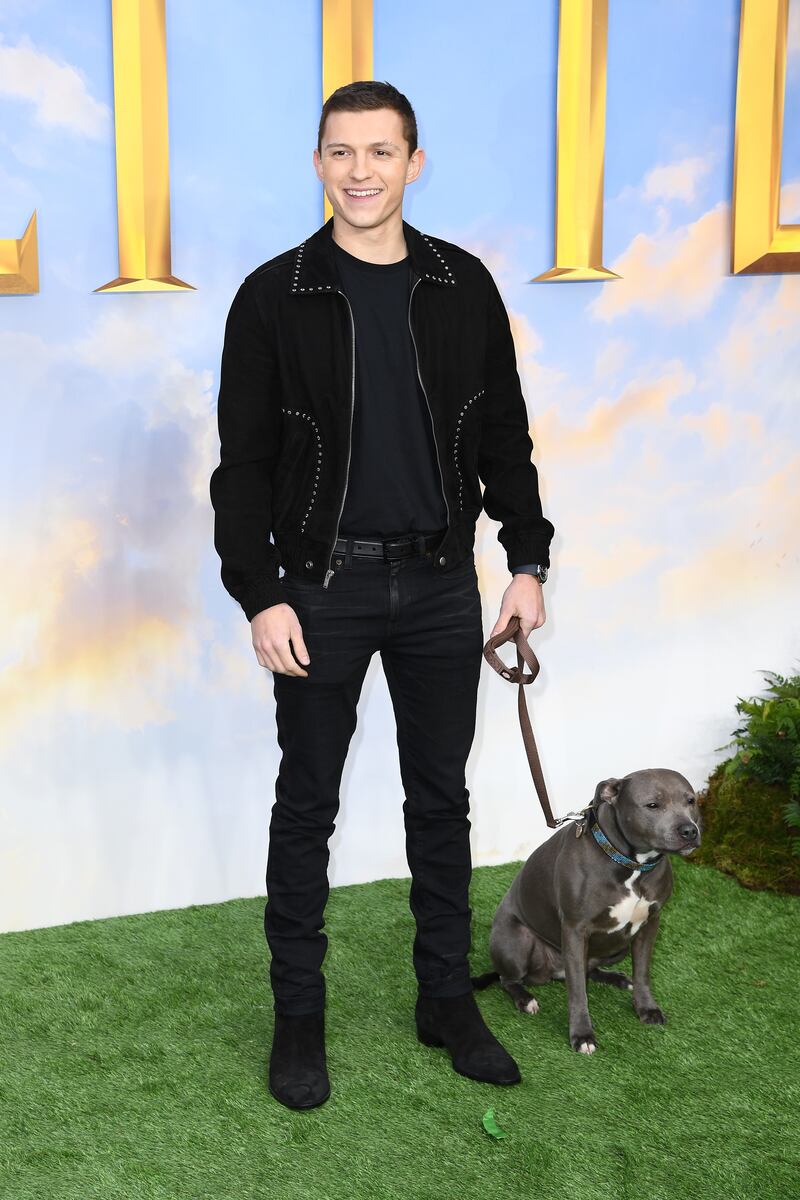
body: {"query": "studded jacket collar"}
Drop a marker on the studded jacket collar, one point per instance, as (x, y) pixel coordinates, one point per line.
(314, 267)
(285, 411)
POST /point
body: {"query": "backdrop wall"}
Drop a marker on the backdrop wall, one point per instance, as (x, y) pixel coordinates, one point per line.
(138, 744)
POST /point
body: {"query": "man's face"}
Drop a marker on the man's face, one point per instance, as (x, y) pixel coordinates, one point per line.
(366, 151)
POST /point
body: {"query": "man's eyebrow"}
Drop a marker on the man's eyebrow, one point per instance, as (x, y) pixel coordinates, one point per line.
(385, 142)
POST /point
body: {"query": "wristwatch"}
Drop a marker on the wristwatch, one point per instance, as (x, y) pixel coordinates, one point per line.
(536, 569)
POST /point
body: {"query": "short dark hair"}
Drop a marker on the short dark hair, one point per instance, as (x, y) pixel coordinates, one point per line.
(366, 94)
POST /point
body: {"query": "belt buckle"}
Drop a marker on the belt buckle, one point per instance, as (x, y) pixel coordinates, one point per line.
(394, 542)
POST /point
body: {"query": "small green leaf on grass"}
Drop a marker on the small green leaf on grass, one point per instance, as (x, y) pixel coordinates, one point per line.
(491, 1126)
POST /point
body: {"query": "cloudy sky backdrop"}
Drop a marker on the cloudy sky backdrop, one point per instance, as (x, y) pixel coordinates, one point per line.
(137, 741)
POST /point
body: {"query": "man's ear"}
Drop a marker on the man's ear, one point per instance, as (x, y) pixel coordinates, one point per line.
(607, 789)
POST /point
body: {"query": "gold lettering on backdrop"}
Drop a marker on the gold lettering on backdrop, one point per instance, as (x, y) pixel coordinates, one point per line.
(760, 244)
(142, 146)
(346, 49)
(580, 142)
(19, 262)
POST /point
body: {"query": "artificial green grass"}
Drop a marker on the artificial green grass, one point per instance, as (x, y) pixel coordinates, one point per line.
(134, 1057)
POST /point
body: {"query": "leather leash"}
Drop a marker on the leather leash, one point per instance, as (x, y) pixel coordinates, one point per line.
(517, 675)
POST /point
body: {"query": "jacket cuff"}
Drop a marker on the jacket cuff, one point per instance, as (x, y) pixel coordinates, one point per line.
(264, 594)
(528, 546)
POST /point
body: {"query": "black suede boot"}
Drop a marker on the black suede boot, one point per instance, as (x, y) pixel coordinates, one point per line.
(298, 1074)
(457, 1023)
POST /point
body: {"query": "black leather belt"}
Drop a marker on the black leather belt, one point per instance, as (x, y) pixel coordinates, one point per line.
(389, 549)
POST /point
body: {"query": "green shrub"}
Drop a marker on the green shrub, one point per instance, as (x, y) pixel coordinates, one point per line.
(751, 807)
(769, 743)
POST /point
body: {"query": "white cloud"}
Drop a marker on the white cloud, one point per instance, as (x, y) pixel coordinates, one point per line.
(793, 40)
(611, 358)
(675, 181)
(675, 276)
(57, 90)
(122, 524)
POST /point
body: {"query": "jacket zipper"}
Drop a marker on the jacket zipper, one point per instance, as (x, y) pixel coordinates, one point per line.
(425, 394)
(329, 571)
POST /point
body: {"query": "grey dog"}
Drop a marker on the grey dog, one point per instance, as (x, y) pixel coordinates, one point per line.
(591, 891)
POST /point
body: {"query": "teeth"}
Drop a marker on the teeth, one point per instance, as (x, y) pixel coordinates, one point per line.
(363, 192)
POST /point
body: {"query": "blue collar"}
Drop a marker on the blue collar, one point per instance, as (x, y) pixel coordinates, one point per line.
(611, 850)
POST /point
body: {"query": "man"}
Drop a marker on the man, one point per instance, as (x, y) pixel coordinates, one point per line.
(368, 382)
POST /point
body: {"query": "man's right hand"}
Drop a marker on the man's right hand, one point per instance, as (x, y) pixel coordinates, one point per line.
(273, 629)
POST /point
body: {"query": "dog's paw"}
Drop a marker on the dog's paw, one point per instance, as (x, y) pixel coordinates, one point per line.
(617, 978)
(525, 1002)
(584, 1043)
(651, 1015)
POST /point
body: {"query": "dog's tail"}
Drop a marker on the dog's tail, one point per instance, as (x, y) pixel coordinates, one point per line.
(482, 981)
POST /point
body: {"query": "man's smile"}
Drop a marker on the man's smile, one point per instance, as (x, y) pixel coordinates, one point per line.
(362, 193)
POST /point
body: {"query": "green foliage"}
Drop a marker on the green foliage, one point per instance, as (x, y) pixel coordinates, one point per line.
(768, 741)
(745, 833)
(791, 811)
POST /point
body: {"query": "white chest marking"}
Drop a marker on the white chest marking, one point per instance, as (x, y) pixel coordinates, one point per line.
(631, 907)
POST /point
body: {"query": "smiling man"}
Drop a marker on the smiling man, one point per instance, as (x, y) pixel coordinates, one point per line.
(368, 386)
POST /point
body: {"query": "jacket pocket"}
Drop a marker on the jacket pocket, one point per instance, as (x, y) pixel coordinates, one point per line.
(297, 474)
(465, 453)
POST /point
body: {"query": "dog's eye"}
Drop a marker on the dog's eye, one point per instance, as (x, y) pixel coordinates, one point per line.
(690, 800)
(652, 804)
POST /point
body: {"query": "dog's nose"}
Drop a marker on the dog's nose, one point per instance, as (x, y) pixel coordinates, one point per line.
(688, 832)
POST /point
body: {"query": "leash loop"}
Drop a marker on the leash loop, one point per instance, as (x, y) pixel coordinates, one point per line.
(526, 656)
(587, 817)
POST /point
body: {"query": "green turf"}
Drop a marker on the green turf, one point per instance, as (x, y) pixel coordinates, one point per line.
(134, 1056)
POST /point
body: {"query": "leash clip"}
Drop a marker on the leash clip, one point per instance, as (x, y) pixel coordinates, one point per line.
(578, 817)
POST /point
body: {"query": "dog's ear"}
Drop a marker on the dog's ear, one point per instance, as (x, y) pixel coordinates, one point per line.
(607, 789)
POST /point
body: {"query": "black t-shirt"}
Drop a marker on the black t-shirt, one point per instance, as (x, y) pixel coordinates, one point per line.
(393, 486)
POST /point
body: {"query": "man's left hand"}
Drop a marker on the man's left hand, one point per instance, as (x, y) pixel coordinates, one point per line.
(522, 598)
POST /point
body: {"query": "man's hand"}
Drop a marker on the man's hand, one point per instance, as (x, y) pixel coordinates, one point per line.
(522, 598)
(273, 629)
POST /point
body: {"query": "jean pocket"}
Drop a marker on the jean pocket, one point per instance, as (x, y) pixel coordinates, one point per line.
(466, 567)
(291, 582)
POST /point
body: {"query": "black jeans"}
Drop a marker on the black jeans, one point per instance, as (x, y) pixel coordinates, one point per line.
(427, 626)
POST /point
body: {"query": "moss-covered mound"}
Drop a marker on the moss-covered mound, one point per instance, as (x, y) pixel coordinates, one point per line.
(745, 833)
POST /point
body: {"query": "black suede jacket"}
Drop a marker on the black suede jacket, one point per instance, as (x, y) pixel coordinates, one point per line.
(285, 409)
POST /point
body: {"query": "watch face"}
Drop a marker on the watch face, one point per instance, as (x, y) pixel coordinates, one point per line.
(542, 574)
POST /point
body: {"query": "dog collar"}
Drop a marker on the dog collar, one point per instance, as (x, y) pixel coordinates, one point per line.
(612, 851)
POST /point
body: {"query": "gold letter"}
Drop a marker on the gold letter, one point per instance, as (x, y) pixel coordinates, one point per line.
(19, 262)
(761, 244)
(346, 49)
(140, 118)
(580, 141)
